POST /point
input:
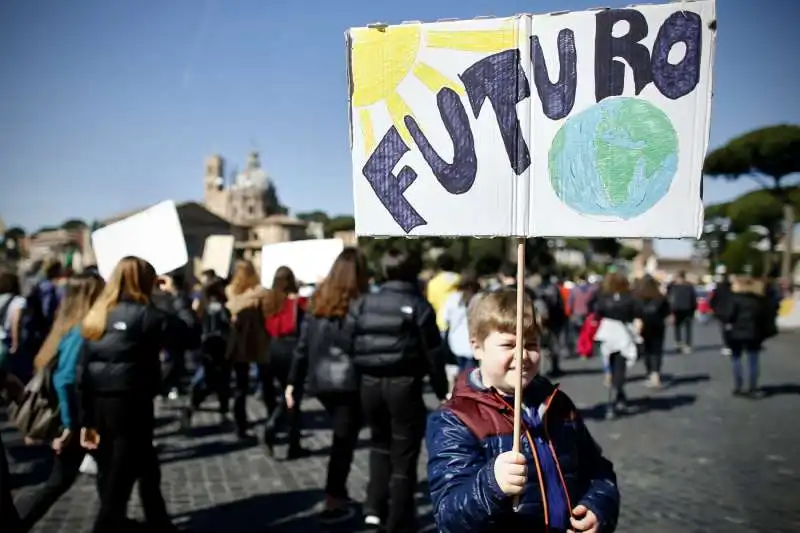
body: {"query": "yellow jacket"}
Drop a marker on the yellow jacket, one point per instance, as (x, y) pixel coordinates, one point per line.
(440, 287)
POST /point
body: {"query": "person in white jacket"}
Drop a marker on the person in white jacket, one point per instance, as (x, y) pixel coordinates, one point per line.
(615, 308)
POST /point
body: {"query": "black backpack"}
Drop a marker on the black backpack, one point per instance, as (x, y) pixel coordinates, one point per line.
(654, 312)
(551, 295)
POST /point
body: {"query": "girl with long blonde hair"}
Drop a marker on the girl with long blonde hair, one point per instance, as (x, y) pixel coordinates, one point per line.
(62, 348)
(120, 373)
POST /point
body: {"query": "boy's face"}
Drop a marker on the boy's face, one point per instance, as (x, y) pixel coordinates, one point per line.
(497, 364)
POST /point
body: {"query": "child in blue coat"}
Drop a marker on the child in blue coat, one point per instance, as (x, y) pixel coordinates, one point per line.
(561, 478)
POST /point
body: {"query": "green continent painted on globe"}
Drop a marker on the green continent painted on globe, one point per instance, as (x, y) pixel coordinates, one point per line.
(616, 159)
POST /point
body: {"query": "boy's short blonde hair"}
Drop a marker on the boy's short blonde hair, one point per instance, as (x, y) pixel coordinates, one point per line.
(497, 311)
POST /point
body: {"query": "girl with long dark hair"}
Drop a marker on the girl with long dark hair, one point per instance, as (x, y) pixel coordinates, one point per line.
(285, 311)
(323, 356)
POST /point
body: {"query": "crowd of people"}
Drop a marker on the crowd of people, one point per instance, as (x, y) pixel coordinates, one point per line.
(366, 349)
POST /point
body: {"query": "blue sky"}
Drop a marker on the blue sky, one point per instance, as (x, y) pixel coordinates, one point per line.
(109, 106)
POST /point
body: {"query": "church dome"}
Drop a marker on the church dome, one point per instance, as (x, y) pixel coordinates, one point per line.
(253, 176)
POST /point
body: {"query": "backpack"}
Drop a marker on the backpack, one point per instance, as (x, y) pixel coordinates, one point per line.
(653, 315)
(551, 297)
(580, 298)
(39, 320)
(37, 415)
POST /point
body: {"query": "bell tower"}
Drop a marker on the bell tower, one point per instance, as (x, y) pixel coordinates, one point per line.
(215, 194)
(215, 172)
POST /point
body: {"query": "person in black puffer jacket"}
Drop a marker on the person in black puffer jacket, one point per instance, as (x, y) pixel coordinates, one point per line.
(749, 322)
(323, 356)
(214, 370)
(682, 297)
(118, 375)
(720, 304)
(396, 343)
(170, 296)
(652, 308)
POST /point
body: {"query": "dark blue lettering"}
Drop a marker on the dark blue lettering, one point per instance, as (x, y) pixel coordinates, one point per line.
(500, 78)
(388, 187)
(609, 74)
(458, 177)
(557, 98)
(675, 81)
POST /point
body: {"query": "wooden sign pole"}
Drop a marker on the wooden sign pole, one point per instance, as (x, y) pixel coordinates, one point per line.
(518, 351)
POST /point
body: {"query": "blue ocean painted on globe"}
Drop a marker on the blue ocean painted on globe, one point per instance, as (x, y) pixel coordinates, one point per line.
(616, 159)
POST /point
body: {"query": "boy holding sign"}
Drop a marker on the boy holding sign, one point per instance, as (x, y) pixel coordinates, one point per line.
(561, 479)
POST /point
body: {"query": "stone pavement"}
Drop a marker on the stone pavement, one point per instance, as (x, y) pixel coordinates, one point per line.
(691, 458)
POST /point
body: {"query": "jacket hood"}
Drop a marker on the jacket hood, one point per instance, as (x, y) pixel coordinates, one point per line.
(538, 394)
(748, 286)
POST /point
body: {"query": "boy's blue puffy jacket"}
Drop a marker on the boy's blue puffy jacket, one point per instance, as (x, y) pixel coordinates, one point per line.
(466, 435)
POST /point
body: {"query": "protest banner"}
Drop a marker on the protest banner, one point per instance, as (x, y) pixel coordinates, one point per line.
(587, 124)
(154, 235)
(576, 124)
(218, 254)
(310, 260)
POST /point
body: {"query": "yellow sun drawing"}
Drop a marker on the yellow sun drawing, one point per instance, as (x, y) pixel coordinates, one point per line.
(381, 58)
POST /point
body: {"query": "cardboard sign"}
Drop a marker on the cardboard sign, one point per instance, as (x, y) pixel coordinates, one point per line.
(218, 254)
(589, 124)
(310, 260)
(154, 235)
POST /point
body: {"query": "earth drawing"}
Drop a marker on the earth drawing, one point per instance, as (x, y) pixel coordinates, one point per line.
(616, 159)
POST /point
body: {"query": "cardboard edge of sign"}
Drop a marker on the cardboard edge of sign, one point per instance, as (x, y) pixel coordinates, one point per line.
(381, 26)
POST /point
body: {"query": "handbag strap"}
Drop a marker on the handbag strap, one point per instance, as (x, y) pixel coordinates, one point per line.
(4, 310)
(296, 315)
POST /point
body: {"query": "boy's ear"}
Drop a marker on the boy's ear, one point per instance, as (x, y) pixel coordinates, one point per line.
(477, 348)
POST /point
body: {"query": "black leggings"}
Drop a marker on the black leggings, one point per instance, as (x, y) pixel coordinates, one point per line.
(619, 370)
(684, 321)
(217, 372)
(344, 409)
(8, 513)
(65, 470)
(126, 455)
(281, 416)
(653, 351)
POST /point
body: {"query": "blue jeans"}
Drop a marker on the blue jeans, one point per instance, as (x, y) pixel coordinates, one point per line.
(752, 366)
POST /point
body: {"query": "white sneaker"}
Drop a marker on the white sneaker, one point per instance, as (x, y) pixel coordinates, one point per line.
(88, 466)
(372, 520)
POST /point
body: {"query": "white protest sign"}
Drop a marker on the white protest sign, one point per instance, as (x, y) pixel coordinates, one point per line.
(590, 124)
(154, 235)
(218, 254)
(310, 260)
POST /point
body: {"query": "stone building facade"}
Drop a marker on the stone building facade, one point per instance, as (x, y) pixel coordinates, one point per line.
(249, 200)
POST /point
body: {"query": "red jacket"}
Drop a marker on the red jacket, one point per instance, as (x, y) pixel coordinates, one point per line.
(585, 345)
(287, 321)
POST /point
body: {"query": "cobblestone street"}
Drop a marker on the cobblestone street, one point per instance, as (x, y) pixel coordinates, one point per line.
(690, 458)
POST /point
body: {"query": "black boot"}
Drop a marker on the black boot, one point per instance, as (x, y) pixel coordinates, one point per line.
(296, 451)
